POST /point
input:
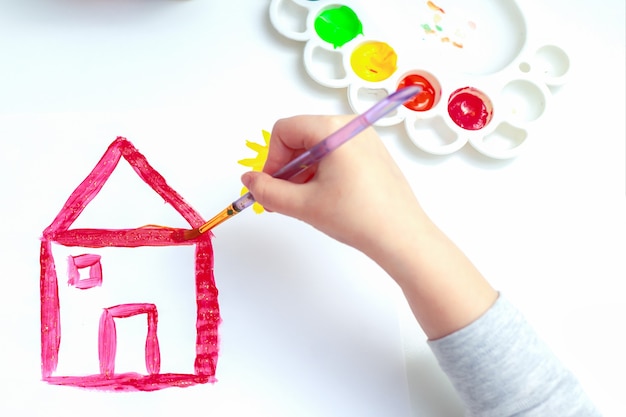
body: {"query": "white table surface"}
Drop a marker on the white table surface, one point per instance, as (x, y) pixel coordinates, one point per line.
(324, 332)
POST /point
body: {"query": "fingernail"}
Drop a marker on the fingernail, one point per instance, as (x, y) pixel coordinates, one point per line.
(246, 179)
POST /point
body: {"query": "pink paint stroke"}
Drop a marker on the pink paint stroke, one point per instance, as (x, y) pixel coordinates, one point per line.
(131, 381)
(59, 232)
(50, 312)
(83, 261)
(127, 238)
(208, 311)
(107, 343)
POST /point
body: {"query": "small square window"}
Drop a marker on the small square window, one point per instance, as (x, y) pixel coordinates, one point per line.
(90, 261)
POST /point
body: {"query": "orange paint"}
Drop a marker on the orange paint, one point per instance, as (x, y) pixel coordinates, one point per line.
(374, 61)
(434, 7)
(423, 101)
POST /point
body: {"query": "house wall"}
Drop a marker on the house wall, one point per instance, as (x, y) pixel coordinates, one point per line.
(163, 276)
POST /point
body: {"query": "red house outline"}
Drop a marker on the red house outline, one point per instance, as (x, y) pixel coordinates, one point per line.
(59, 232)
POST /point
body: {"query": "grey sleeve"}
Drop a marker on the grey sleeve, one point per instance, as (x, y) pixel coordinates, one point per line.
(500, 368)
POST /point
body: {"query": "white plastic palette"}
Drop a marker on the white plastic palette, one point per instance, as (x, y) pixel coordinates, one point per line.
(485, 80)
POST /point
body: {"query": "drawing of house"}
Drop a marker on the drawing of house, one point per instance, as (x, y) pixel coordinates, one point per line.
(207, 317)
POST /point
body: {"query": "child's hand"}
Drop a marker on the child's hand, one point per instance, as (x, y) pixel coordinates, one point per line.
(356, 195)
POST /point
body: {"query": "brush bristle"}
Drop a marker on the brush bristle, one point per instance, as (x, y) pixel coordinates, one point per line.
(191, 234)
(184, 235)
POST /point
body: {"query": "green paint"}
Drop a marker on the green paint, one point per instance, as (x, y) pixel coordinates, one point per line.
(427, 28)
(439, 28)
(230, 212)
(338, 25)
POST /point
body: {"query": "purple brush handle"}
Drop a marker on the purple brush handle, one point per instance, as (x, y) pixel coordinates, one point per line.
(332, 142)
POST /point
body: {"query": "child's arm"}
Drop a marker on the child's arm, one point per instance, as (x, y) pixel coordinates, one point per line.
(500, 367)
(359, 196)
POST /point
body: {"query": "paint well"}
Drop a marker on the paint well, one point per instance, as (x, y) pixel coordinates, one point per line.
(523, 101)
(338, 25)
(428, 97)
(374, 61)
(504, 139)
(434, 136)
(553, 61)
(479, 37)
(470, 108)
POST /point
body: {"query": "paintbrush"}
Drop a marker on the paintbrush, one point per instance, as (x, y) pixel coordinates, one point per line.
(314, 154)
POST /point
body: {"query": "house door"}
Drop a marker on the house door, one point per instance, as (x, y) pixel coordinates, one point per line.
(107, 338)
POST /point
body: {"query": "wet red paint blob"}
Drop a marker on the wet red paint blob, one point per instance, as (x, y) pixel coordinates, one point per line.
(469, 108)
(423, 101)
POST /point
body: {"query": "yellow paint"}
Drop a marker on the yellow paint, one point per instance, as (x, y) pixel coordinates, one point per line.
(257, 162)
(374, 61)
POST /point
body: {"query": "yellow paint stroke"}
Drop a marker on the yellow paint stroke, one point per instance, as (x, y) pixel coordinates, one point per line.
(434, 7)
(257, 162)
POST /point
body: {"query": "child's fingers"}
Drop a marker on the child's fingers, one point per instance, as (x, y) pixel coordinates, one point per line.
(294, 135)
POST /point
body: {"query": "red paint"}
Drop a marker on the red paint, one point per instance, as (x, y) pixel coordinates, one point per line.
(423, 101)
(469, 108)
(59, 232)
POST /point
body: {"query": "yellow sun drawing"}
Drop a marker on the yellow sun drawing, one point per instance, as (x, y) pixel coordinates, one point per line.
(257, 162)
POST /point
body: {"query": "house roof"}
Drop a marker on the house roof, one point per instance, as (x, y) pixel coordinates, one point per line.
(59, 229)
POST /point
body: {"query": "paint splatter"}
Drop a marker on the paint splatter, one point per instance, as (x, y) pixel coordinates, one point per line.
(59, 232)
(427, 29)
(374, 61)
(426, 99)
(447, 28)
(257, 163)
(434, 7)
(338, 25)
(469, 108)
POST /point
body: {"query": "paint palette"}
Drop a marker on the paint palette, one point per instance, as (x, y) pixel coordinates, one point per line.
(485, 81)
